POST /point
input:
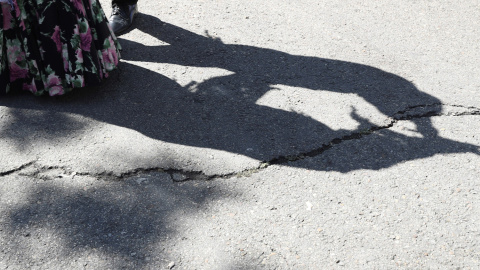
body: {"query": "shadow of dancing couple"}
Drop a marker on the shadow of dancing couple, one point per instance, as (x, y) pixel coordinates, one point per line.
(222, 112)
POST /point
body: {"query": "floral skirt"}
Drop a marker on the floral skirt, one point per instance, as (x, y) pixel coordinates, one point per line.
(53, 46)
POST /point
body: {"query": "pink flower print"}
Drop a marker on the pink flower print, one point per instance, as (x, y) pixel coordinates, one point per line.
(7, 16)
(109, 55)
(53, 79)
(18, 14)
(114, 55)
(86, 40)
(22, 24)
(17, 9)
(107, 59)
(56, 38)
(79, 55)
(30, 86)
(113, 51)
(79, 5)
(54, 85)
(110, 59)
(76, 30)
(56, 90)
(14, 52)
(17, 72)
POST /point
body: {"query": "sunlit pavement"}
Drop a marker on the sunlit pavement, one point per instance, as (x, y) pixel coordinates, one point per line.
(257, 134)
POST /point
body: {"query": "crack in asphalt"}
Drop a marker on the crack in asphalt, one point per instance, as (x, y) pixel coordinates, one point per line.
(179, 175)
(19, 168)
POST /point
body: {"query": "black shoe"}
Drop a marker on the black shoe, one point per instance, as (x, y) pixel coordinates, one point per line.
(122, 17)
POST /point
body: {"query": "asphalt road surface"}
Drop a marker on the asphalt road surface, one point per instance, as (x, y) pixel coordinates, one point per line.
(257, 135)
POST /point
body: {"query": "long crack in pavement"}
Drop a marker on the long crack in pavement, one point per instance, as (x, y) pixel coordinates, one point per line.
(34, 169)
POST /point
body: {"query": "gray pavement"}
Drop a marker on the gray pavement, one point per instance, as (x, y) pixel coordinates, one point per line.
(257, 135)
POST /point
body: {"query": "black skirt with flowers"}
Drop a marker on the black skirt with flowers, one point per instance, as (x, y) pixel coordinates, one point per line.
(53, 46)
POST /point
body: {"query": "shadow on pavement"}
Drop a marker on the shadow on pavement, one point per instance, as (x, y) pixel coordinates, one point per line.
(221, 112)
(119, 225)
(132, 223)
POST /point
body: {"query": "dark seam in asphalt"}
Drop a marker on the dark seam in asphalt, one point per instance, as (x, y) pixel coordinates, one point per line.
(12, 171)
(199, 175)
